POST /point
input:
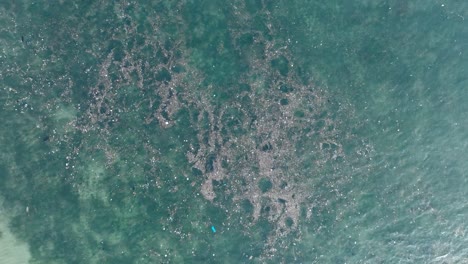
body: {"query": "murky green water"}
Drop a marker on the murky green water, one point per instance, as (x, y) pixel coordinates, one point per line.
(234, 132)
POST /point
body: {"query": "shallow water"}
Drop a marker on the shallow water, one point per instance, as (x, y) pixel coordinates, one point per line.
(241, 132)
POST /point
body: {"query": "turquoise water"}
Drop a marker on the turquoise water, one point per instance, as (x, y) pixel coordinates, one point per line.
(240, 132)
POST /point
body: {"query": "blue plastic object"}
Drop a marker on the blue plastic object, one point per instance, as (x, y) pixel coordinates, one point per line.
(213, 229)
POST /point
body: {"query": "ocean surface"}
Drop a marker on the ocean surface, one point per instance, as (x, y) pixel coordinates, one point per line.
(244, 131)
